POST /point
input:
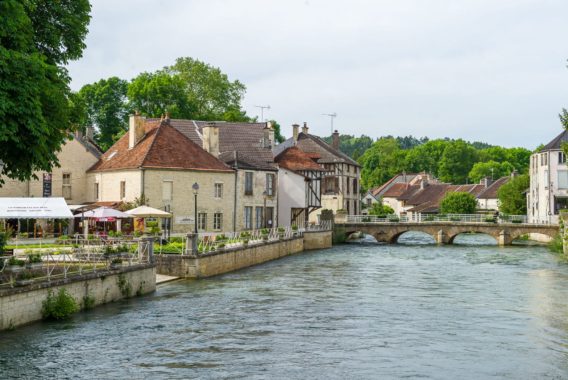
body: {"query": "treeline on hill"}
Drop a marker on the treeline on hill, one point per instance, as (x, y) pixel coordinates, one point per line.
(452, 161)
(188, 89)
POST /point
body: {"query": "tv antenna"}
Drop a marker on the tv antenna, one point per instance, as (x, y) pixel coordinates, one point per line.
(262, 108)
(331, 116)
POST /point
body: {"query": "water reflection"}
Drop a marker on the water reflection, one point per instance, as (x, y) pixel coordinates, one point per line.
(362, 310)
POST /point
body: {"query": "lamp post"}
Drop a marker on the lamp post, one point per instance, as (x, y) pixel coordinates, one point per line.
(195, 188)
(265, 195)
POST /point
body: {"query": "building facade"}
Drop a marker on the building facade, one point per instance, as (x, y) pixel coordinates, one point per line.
(548, 192)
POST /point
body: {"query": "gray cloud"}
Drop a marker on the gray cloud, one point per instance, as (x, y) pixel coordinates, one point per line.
(484, 70)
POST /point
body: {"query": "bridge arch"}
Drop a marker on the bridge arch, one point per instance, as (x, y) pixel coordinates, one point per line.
(451, 239)
(520, 232)
(395, 238)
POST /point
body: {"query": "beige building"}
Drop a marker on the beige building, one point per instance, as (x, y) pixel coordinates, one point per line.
(340, 188)
(69, 180)
(246, 148)
(156, 160)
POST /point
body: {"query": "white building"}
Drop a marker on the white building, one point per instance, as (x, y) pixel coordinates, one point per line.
(548, 192)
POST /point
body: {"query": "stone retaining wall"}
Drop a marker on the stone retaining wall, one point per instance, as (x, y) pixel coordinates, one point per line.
(22, 305)
(229, 260)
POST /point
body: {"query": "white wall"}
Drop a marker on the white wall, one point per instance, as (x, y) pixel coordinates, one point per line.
(291, 194)
(544, 186)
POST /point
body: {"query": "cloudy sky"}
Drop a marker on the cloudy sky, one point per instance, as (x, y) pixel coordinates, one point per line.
(488, 70)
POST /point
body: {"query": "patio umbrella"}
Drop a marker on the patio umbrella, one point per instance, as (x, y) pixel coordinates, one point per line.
(148, 212)
(103, 213)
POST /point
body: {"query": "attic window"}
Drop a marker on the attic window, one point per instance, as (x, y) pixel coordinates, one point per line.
(111, 155)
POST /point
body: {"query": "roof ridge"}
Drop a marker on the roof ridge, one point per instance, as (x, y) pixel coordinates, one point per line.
(159, 127)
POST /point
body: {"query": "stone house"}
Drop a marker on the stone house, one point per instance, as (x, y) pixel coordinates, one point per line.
(299, 184)
(342, 178)
(548, 192)
(157, 161)
(247, 149)
(69, 180)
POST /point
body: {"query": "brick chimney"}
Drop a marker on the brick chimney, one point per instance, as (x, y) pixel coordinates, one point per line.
(268, 138)
(305, 128)
(335, 140)
(90, 133)
(135, 129)
(295, 132)
(211, 139)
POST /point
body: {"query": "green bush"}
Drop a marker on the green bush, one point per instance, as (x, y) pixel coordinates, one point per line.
(281, 229)
(60, 306)
(455, 219)
(34, 258)
(517, 221)
(394, 219)
(429, 218)
(14, 261)
(294, 227)
(458, 203)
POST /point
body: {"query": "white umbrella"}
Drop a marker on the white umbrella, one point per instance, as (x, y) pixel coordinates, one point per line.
(103, 212)
(148, 212)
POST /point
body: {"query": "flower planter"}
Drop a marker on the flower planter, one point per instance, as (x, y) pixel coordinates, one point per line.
(15, 268)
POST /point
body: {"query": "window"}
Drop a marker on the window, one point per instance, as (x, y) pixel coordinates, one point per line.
(269, 217)
(563, 179)
(122, 189)
(202, 221)
(347, 185)
(259, 218)
(248, 218)
(369, 202)
(218, 190)
(270, 184)
(167, 191)
(561, 158)
(355, 190)
(96, 191)
(66, 190)
(248, 183)
(331, 185)
(218, 221)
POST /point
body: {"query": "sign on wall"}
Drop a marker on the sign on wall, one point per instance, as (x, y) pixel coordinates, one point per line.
(46, 185)
(184, 220)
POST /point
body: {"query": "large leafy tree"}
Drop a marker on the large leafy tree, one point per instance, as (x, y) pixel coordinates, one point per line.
(490, 169)
(380, 209)
(512, 196)
(106, 107)
(457, 161)
(458, 203)
(37, 39)
(381, 161)
(426, 157)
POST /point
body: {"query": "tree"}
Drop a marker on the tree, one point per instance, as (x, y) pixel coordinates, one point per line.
(381, 162)
(458, 203)
(490, 169)
(512, 198)
(456, 162)
(277, 132)
(426, 157)
(37, 38)
(106, 108)
(564, 118)
(378, 208)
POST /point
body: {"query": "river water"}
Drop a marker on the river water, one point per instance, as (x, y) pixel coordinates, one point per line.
(358, 311)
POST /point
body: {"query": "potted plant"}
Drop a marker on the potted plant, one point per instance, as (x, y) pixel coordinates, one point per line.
(281, 232)
(15, 265)
(34, 261)
(264, 233)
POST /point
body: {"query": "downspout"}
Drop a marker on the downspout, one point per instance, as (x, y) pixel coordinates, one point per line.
(142, 183)
(236, 167)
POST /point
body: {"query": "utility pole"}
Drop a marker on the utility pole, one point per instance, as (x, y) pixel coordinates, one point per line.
(262, 108)
(331, 116)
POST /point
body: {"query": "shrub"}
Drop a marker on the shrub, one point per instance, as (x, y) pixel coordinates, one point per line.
(88, 302)
(245, 235)
(281, 229)
(111, 233)
(294, 227)
(14, 261)
(366, 220)
(518, 221)
(394, 219)
(455, 219)
(429, 218)
(490, 220)
(34, 258)
(379, 208)
(458, 203)
(60, 306)
(264, 231)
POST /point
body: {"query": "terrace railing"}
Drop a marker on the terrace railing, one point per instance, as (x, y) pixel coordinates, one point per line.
(430, 218)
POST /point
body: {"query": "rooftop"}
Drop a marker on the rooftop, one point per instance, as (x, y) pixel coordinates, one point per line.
(296, 160)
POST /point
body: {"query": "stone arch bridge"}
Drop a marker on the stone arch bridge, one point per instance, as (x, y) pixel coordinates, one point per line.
(446, 232)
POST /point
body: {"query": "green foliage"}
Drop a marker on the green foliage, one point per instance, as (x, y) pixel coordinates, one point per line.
(458, 203)
(512, 198)
(351, 145)
(88, 302)
(564, 118)
(106, 108)
(277, 132)
(456, 162)
(34, 258)
(60, 306)
(380, 162)
(14, 261)
(37, 39)
(378, 208)
(556, 245)
(490, 169)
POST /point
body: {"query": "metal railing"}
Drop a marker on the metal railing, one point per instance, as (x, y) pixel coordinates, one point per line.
(433, 218)
(47, 264)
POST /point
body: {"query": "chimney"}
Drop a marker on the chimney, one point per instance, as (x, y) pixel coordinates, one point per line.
(268, 140)
(423, 184)
(305, 128)
(486, 182)
(514, 174)
(295, 131)
(211, 139)
(135, 129)
(90, 133)
(335, 140)
(79, 134)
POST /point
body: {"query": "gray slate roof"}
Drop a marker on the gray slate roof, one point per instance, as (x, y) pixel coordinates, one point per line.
(313, 144)
(556, 143)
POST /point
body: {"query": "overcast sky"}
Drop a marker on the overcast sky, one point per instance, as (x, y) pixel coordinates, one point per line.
(488, 70)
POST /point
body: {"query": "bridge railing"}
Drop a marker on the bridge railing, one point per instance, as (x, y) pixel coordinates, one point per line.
(433, 218)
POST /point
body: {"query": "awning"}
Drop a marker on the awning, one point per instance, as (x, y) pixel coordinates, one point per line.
(148, 212)
(34, 208)
(103, 214)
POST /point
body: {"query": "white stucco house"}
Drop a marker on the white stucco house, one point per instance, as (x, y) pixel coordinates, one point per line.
(548, 192)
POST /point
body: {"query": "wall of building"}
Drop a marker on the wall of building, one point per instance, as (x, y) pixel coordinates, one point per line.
(544, 186)
(74, 159)
(182, 202)
(291, 194)
(256, 199)
(109, 185)
(22, 305)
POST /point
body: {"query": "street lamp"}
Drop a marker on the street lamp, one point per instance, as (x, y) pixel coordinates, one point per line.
(265, 195)
(195, 188)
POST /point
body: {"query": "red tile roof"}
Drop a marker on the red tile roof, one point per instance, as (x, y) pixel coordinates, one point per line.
(296, 160)
(396, 190)
(491, 191)
(162, 147)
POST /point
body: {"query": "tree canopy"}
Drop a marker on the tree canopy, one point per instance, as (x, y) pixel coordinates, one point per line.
(458, 203)
(512, 198)
(380, 209)
(37, 38)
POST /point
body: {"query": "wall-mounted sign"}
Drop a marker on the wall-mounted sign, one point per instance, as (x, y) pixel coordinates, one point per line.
(184, 220)
(46, 185)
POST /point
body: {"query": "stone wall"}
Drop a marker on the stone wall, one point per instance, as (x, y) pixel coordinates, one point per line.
(22, 305)
(233, 259)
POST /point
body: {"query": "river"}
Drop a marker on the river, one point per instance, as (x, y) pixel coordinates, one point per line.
(358, 311)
